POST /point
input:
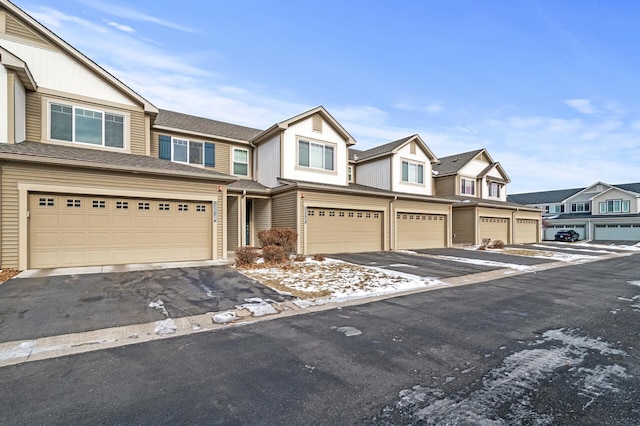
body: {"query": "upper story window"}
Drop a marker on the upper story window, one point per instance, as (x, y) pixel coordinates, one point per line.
(82, 125)
(349, 173)
(555, 208)
(240, 162)
(581, 207)
(615, 206)
(412, 172)
(315, 155)
(494, 189)
(467, 186)
(185, 151)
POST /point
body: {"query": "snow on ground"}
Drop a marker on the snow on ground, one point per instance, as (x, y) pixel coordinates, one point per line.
(541, 254)
(635, 247)
(474, 261)
(336, 281)
(258, 306)
(571, 247)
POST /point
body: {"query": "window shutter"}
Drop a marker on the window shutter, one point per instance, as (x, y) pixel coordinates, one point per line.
(164, 147)
(209, 154)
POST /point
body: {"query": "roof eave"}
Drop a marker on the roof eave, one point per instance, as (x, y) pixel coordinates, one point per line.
(201, 134)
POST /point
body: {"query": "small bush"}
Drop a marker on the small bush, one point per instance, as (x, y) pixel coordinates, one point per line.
(282, 237)
(482, 247)
(274, 254)
(498, 244)
(246, 256)
(318, 257)
(300, 258)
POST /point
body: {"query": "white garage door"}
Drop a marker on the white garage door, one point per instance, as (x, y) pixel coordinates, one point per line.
(80, 230)
(494, 228)
(418, 230)
(621, 232)
(343, 231)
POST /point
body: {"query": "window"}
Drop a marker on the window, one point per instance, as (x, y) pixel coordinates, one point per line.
(73, 202)
(45, 202)
(315, 155)
(581, 207)
(494, 189)
(184, 151)
(554, 208)
(183, 207)
(350, 173)
(122, 205)
(99, 204)
(201, 208)
(467, 187)
(615, 206)
(412, 172)
(82, 125)
(143, 206)
(240, 162)
(163, 207)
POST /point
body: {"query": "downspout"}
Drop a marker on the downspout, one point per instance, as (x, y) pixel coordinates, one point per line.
(513, 225)
(392, 222)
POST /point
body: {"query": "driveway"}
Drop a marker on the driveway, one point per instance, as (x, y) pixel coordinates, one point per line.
(415, 264)
(40, 307)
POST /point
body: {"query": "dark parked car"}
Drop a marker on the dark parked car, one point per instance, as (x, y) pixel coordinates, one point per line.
(570, 235)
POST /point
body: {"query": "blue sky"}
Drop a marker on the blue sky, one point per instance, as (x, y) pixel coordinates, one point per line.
(549, 87)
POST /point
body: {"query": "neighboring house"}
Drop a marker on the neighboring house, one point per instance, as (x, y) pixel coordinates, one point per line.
(94, 174)
(79, 184)
(478, 184)
(598, 212)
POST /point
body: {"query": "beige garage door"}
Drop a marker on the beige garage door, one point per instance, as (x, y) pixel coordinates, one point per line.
(494, 228)
(416, 230)
(75, 230)
(343, 231)
(526, 231)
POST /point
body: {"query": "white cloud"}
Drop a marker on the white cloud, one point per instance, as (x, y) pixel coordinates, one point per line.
(55, 19)
(121, 27)
(581, 105)
(431, 108)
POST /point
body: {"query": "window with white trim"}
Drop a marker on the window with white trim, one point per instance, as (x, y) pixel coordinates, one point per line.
(615, 206)
(494, 189)
(582, 207)
(240, 162)
(412, 172)
(349, 173)
(82, 125)
(315, 155)
(554, 208)
(467, 186)
(185, 151)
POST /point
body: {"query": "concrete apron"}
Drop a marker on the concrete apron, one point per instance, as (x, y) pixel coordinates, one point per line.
(22, 351)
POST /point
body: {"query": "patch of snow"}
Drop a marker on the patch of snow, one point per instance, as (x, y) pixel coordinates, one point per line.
(23, 349)
(513, 384)
(349, 331)
(167, 326)
(258, 307)
(477, 261)
(402, 265)
(636, 283)
(562, 247)
(159, 305)
(224, 317)
(635, 247)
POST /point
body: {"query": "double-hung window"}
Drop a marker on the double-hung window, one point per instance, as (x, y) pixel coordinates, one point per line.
(615, 206)
(467, 187)
(494, 189)
(83, 125)
(315, 155)
(412, 172)
(184, 151)
(240, 162)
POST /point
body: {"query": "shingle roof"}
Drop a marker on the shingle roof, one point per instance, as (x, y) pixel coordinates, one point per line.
(250, 185)
(633, 187)
(453, 163)
(354, 153)
(208, 126)
(382, 149)
(474, 200)
(543, 197)
(109, 159)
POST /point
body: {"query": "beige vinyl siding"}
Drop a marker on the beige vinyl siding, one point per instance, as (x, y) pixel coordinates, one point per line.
(15, 28)
(343, 201)
(233, 203)
(34, 117)
(464, 225)
(283, 211)
(138, 133)
(64, 176)
(445, 186)
(261, 217)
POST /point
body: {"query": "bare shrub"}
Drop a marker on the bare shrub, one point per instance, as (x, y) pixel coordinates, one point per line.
(274, 254)
(246, 256)
(498, 244)
(318, 257)
(300, 258)
(282, 237)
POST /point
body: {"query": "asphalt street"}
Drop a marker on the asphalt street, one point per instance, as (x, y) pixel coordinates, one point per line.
(554, 347)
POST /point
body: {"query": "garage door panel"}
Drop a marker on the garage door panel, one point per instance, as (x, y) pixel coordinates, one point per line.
(419, 230)
(526, 231)
(340, 230)
(89, 230)
(494, 228)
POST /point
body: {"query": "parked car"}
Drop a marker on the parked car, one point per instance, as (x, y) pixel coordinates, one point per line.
(570, 235)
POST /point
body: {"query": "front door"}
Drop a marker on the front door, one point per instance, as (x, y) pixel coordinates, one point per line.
(247, 221)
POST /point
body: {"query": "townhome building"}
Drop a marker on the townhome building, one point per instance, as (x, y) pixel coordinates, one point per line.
(600, 212)
(92, 173)
(478, 184)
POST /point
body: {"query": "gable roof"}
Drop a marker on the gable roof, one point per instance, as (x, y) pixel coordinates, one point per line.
(474, 201)
(283, 125)
(62, 155)
(12, 62)
(392, 148)
(544, 197)
(632, 187)
(76, 54)
(171, 120)
(453, 163)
